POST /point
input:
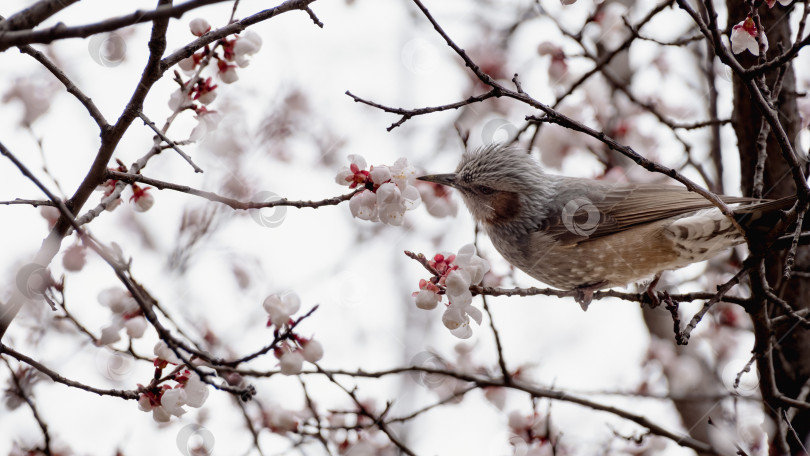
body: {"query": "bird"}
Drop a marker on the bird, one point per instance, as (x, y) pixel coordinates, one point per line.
(582, 235)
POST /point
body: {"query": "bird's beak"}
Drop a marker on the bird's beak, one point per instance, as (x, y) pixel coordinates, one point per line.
(444, 179)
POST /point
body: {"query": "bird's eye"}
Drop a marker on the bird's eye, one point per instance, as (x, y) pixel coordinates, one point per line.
(485, 190)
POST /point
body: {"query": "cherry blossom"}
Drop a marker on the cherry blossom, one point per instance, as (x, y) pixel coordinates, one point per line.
(165, 401)
(291, 362)
(281, 308)
(247, 44)
(437, 199)
(558, 68)
(163, 352)
(151, 401)
(75, 258)
(207, 121)
(199, 27)
(35, 96)
(126, 315)
(141, 199)
(280, 420)
(50, 213)
(388, 190)
(108, 187)
(227, 72)
(312, 350)
(456, 274)
(744, 37)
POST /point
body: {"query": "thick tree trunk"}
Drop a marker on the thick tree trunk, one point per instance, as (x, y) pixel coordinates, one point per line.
(791, 342)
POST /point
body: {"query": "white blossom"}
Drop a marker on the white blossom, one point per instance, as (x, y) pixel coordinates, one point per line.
(291, 362)
(313, 351)
(744, 37)
(248, 43)
(427, 299)
(199, 26)
(281, 307)
(162, 351)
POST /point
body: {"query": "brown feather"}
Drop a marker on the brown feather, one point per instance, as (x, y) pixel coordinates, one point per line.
(621, 206)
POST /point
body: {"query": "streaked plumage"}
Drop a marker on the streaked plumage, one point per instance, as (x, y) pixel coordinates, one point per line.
(574, 233)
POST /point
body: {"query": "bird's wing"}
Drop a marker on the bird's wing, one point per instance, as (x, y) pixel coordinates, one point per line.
(587, 211)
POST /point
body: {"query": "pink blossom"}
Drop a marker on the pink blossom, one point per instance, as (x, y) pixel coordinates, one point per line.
(75, 258)
(50, 213)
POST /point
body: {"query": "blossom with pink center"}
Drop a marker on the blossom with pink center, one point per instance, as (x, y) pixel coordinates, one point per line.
(744, 37)
(388, 190)
(108, 187)
(141, 199)
(227, 72)
(354, 174)
(204, 91)
(456, 274)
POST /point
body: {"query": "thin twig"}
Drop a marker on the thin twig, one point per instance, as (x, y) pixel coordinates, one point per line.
(168, 141)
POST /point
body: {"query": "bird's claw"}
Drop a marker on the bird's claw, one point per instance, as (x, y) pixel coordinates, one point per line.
(583, 294)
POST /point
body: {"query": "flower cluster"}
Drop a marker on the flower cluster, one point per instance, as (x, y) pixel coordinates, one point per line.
(388, 191)
(141, 199)
(456, 274)
(199, 92)
(744, 37)
(236, 52)
(164, 400)
(292, 352)
(531, 434)
(355, 432)
(126, 315)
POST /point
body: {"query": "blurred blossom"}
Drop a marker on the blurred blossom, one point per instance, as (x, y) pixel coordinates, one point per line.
(34, 95)
(247, 44)
(199, 27)
(281, 308)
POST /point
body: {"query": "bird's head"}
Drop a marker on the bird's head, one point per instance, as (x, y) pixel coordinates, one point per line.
(499, 184)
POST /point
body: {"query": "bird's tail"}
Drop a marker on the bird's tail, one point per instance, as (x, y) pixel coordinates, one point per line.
(769, 220)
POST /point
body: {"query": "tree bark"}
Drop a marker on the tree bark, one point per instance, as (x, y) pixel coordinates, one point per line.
(790, 342)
